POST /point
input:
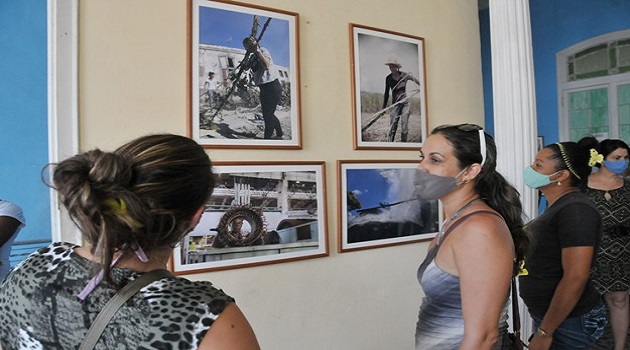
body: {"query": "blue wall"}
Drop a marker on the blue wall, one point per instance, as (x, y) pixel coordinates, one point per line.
(23, 112)
(556, 25)
(486, 67)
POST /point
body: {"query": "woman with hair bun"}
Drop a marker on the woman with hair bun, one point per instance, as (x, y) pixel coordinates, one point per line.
(555, 285)
(132, 206)
(610, 192)
(467, 272)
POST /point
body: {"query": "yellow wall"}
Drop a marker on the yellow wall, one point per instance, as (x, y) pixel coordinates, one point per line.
(132, 71)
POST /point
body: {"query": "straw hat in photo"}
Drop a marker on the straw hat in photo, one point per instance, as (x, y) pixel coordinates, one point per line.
(394, 62)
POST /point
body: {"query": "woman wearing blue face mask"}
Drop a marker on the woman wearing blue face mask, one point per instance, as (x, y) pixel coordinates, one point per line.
(555, 284)
(467, 271)
(610, 193)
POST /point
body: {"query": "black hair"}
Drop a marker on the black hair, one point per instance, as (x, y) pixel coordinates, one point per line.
(604, 147)
(573, 157)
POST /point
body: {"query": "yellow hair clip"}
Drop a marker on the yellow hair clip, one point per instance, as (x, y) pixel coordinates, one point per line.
(522, 271)
(596, 158)
(119, 209)
(118, 206)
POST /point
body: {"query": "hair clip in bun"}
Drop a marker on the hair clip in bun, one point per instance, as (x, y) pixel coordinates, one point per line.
(118, 208)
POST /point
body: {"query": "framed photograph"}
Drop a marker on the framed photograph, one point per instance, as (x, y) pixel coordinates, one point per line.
(259, 213)
(389, 89)
(244, 90)
(378, 205)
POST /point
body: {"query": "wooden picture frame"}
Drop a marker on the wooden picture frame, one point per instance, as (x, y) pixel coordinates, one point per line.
(378, 206)
(234, 101)
(401, 121)
(259, 213)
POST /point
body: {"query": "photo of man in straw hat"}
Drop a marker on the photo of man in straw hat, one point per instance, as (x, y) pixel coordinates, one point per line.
(396, 82)
(400, 59)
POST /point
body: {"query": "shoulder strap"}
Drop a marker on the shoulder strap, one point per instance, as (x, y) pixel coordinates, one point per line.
(112, 306)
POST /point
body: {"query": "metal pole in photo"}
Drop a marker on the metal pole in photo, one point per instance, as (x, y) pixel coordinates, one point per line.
(380, 113)
(241, 67)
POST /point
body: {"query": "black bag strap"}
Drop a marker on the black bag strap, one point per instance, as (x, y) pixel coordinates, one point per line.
(112, 306)
(516, 317)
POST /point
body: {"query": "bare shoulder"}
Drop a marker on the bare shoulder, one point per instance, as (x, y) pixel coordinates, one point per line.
(483, 230)
(231, 331)
(484, 244)
(476, 243)
(485, 223)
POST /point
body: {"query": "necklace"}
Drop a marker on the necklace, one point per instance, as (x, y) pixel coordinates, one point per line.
(607, 196)
(606, 184)
(453, 217)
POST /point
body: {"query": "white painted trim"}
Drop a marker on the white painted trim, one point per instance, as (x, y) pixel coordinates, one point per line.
(611, 82)
(514, 104)
(62, 18)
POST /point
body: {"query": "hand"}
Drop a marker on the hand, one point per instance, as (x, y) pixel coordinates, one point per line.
(540, 343)
(251, 44)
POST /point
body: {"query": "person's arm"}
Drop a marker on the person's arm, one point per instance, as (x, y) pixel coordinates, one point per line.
(263, 57)
(231, 331)
(483, 254)
(8, 226)
(576, 264)
(386, 94)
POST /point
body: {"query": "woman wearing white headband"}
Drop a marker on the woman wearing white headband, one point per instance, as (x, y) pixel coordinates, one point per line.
(467, 272)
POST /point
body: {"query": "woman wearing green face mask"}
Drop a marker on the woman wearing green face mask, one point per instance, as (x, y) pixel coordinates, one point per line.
(610, 193)
(555, 285)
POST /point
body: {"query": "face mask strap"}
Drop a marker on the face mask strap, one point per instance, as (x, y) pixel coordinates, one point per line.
(460, 174)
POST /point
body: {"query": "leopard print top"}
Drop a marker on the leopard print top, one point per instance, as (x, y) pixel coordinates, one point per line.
(39, 307)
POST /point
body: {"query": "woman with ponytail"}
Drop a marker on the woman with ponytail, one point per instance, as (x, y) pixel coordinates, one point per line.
(467, 272)
(555, 285)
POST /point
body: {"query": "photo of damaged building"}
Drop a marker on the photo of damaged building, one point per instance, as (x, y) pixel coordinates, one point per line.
(229, 104)
(257, 214)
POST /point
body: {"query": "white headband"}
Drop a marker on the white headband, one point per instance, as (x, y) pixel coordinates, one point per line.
(482, 146)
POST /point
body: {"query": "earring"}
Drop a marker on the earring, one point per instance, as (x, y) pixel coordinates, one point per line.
(559, 183)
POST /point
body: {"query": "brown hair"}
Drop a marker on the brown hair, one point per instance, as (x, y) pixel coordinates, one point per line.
(144, 194)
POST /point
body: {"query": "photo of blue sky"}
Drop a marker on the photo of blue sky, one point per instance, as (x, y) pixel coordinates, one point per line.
(390, 206)
(375, 186)
(228, 28)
